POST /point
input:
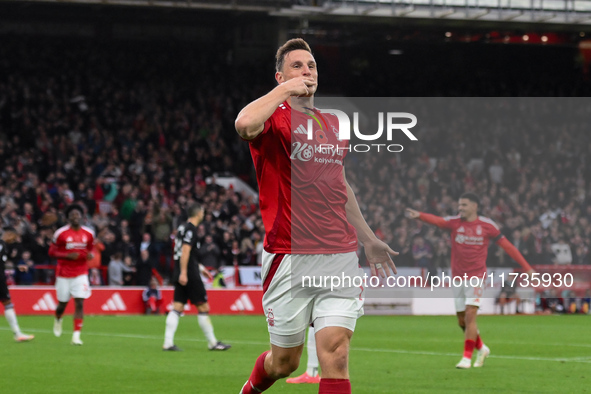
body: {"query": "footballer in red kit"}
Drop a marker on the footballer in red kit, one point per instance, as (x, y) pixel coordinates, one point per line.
(300, 197)
(71, 246)
(470, 237)
(312, 222)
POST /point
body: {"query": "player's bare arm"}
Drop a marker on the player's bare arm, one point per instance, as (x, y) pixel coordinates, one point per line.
(377, 252)
(205, 271)
(184, 263)
(250, 121)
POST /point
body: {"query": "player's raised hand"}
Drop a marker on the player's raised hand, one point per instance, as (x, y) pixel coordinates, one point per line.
(378, 257)
(412, 213)
(300, 86)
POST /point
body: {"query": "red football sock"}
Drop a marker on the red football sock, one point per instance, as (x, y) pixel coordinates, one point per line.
(334, 386)
(469, 345)
(259, 380)
(77, 324)
(479, 343)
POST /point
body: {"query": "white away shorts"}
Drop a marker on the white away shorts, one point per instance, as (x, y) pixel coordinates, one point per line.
(467, 295)
(290, 308)
(77, 287)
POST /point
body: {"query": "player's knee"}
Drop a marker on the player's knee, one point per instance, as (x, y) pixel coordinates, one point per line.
(461, 323)
(203, 308)
(470, 318)
(337, 360)
(283, 367)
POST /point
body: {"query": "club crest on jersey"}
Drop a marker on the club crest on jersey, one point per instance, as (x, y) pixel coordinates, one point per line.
(479, 230)
(271, 317)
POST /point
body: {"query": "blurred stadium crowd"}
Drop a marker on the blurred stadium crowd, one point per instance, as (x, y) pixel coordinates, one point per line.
(133, 132)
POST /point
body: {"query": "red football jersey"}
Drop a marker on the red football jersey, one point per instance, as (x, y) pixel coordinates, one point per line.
(302, 191)
(469, 244)
(69, 240)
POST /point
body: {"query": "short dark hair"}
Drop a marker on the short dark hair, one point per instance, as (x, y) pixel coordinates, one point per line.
(194, 209)
(472, 197)
(74, 207)
(291, 45)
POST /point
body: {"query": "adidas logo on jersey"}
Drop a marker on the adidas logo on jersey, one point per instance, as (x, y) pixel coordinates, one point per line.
(301, 130)
(243, 303)
(45, 303)
(114, 303)
(461, 229)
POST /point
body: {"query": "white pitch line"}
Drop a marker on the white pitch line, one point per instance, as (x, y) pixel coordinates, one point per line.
(574, 359)
(585, 360)
(508, 342)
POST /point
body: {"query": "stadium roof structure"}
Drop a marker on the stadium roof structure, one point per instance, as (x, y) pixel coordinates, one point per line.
(572, 12)
(557, 12)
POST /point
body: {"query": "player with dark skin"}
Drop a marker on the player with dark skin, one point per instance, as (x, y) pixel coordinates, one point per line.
(75, 221)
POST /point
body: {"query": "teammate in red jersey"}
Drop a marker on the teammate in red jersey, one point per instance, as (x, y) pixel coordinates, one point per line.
(470, 236)
(72, 246)
(312, 221)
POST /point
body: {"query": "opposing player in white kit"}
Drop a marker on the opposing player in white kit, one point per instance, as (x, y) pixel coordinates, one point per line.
(312, 223)
(72, 246)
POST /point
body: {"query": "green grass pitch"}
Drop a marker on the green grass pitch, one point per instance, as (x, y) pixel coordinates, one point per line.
(389, 354)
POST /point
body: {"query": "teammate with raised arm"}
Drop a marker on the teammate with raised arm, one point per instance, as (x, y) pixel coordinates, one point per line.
(470, 236)
(311, 220)
(72, 246)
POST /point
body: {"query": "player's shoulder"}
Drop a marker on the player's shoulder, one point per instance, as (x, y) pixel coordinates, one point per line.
(190, 227)
(186, 230)
(61, 230)
(454, 218)
(282, 114)
(488, 221)
(88, 230)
